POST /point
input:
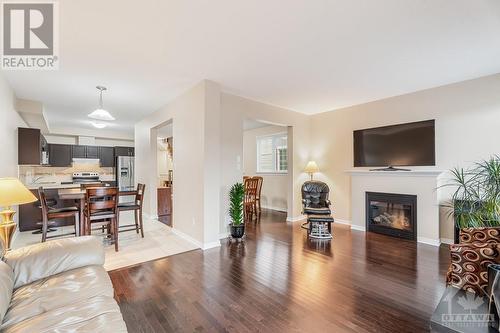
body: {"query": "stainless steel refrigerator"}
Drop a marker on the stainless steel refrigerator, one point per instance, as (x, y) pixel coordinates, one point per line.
(125, 175)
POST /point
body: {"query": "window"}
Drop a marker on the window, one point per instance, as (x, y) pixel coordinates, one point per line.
(272, 155)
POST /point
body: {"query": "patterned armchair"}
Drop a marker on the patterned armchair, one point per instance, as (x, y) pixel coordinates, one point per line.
(478, 248)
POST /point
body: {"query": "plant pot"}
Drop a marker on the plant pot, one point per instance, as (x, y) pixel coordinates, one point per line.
(237, 231)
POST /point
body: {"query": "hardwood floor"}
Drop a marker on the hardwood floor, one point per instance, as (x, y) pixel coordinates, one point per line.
(279, 281)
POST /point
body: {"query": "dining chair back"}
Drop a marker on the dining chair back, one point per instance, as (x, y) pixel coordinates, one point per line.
(101, 207)
(136, 206)
(49, 214)
(250, 202)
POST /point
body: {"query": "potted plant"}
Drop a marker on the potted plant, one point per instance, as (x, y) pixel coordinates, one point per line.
(236, 196)
(476, 200)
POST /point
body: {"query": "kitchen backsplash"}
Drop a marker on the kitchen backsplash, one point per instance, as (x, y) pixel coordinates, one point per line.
(28, 174)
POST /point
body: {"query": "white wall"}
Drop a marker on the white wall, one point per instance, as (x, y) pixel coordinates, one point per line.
(467, 129)
(275, 186)
(196, 161)
(10, 121)
(8, 130)
(234, 110)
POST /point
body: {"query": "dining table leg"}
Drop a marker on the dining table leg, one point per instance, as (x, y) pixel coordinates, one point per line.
(83, 231)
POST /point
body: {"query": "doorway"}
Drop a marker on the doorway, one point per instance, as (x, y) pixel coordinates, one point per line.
(165, 177)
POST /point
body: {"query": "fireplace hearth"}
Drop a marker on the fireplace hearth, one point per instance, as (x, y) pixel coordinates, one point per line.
(392, 214)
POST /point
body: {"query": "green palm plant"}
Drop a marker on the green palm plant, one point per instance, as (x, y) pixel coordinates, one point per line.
(236, 196)
(476, 200)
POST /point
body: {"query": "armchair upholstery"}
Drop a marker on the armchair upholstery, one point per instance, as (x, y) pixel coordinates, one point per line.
(315, 198)
(470, 259)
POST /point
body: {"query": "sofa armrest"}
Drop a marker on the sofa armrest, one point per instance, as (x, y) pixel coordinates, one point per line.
(38, 261)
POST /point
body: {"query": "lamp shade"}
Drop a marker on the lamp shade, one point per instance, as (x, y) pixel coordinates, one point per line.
(13, 192)
(311, 167)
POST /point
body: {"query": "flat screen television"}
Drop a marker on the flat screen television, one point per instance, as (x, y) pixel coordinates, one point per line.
(411, 144)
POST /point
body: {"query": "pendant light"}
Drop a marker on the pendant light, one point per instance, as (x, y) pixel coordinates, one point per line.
(100, 113)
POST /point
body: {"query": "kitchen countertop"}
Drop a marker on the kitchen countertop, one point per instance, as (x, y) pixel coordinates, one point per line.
(51, 185)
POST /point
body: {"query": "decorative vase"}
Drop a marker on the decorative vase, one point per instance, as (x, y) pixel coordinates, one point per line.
(237, 231)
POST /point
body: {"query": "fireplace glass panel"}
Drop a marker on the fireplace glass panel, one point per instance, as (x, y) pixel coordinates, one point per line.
(393, 215)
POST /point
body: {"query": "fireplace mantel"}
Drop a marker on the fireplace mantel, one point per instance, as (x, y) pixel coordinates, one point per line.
(422, 183)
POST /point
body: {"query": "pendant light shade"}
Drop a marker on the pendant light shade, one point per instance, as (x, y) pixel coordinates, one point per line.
(100, 113)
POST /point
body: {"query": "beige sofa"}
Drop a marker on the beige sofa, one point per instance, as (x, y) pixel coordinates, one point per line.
(60, 286)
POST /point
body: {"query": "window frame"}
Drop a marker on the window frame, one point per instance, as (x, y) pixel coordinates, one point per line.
(274, 155)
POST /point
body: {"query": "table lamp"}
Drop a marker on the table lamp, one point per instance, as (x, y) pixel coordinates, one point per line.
(12, 192)
(311, 168)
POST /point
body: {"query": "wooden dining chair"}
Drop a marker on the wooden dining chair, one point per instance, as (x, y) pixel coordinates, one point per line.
(101, 208)
(250, 202)
(50, 213)
(136, 206)
(259, 190)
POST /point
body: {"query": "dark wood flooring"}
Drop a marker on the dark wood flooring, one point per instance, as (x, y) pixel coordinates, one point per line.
(279, 281)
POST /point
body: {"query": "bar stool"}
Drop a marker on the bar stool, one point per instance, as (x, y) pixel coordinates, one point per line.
(136, 206)
(101, 209)
(50, 213)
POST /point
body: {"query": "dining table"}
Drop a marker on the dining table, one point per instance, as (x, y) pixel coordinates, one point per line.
(78, 194)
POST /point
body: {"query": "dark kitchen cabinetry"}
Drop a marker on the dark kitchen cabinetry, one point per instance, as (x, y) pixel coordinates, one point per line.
(107, 156)
(31, 146)
(60, 155)
(85, 151)
(124, 151)
(79, 151)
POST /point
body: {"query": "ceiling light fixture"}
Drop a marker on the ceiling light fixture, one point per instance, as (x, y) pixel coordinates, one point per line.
(99, 125)
(100, 113)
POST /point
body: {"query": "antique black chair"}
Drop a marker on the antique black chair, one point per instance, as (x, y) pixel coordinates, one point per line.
(315, 198)
(316, 206)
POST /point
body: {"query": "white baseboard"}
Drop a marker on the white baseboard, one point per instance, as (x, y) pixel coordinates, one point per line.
(279, 209)
(341, 221)
(358, 227)
(210, 245)
(295, 218)
(223, 235)
(428, 241)
(447, 241)
(203, 246)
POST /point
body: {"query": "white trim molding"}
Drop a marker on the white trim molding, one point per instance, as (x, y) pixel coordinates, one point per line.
(203, 246)
(429, 241)
(358, 227)
(341, 221)
(279, 209)
(296, 218)
(447, 241)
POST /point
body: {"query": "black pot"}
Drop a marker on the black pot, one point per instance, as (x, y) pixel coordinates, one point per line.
(237, 231)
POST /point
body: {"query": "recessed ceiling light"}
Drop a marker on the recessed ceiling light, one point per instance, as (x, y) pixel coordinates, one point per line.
(99, 125)
(100, 113)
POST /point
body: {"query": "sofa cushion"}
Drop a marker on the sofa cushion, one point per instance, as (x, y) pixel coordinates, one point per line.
(57, 291)
(6, 285)
(96, 314)
(469, 265)
(38, 261)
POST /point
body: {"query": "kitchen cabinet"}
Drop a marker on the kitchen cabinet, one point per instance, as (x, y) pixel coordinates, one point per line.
(79, 151)
(85, 151)
(31, 146)
(124, 151)
(164, 196)
(92, 151)
(107, 156)
(60, 155)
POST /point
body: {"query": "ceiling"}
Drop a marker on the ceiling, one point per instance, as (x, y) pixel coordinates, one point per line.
(308, 56)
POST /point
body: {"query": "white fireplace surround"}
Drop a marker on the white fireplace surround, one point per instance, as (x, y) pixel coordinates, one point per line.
(422, 183)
